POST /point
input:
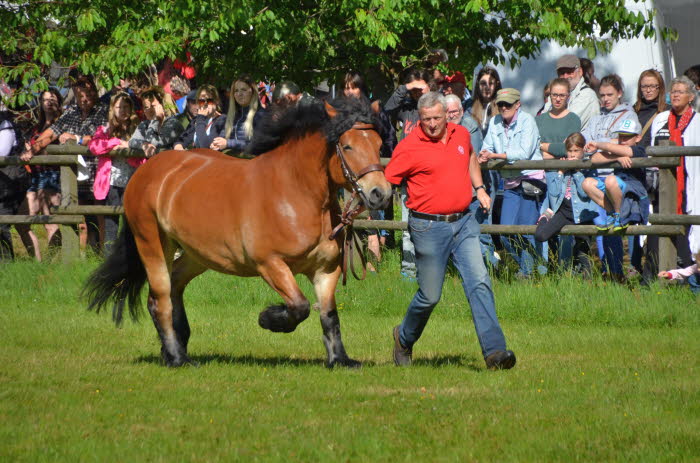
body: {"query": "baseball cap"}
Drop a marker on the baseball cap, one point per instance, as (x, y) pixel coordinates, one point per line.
(507, 95)
(192, 95)
(629, 127)
(568, 61)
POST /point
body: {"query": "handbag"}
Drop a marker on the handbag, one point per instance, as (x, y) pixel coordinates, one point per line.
(533, 187)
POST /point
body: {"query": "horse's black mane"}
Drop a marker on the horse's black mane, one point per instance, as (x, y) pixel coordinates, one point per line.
(276, 128)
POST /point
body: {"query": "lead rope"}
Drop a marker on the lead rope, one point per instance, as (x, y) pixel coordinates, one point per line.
(351, 239)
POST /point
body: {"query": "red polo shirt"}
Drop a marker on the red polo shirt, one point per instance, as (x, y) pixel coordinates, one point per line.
(437, 174)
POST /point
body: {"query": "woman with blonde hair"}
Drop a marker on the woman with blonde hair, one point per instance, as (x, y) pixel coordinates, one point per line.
(113, 172)
(244, 112)
(207, 124)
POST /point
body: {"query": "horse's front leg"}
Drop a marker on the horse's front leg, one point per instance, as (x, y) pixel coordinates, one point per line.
(283, 318)
(324, 286)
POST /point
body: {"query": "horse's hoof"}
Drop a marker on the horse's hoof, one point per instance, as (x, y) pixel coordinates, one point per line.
(180, 362)
(277, 320)
(347, 363)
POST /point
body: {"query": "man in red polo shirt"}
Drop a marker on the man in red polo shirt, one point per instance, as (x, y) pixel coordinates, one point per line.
(439, 166)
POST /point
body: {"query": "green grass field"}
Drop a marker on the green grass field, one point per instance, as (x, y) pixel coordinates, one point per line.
(604, 373)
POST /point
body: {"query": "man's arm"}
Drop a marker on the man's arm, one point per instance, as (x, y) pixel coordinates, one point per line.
(477, 180)
(393, 105)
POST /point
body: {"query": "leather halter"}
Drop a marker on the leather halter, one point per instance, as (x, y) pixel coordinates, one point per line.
(350, 211)
(351, 176)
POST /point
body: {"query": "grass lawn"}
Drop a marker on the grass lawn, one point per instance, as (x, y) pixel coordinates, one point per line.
(604, 373)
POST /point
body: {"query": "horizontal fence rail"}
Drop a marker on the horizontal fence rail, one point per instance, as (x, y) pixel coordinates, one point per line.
(666, 224)
(661, 230)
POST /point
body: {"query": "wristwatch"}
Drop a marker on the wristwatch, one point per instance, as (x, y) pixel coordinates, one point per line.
(482, 187)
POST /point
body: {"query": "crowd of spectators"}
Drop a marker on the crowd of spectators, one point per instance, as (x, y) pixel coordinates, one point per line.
(582, 117)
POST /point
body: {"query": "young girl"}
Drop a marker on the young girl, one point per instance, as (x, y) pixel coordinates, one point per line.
(692, 274)
(566, 203)
(113, 173)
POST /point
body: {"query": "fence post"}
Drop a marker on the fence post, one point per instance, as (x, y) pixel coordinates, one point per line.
(70, 242)
(667, 205)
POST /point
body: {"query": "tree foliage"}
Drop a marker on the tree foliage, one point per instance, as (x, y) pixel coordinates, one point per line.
(304, 40)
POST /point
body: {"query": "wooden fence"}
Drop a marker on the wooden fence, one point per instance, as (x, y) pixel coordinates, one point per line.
(666, 224)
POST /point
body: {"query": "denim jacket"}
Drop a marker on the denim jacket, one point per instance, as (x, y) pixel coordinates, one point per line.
(584, 208)
(520, 142)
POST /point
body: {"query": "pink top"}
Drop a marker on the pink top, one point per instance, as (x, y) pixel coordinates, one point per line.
(102, 144)
(683, 273)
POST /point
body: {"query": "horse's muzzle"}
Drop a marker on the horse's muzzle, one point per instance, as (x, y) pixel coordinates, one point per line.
(378, 197)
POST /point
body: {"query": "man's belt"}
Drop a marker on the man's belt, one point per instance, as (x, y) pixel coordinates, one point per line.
(438, 217)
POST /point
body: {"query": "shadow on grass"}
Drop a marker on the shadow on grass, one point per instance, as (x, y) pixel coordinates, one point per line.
(462, 361)
(247, 360)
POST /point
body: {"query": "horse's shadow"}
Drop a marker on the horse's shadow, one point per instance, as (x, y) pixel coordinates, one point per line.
(246, 360)
(438, 361)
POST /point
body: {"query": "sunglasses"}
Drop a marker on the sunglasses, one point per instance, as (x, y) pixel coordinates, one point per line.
(503, 104)
(205, 101)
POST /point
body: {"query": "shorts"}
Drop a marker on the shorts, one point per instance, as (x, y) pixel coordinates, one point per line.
(621, 183)
(46, 180)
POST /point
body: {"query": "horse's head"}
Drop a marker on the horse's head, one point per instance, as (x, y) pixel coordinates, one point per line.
(356, 165)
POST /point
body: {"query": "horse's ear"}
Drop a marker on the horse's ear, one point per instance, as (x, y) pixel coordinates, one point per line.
(330, 110)
(375, 107)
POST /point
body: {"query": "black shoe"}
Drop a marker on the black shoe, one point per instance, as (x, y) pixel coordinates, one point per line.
(501, 360)
(403, 357)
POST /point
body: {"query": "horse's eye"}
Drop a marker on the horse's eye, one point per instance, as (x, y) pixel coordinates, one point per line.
(347, 147)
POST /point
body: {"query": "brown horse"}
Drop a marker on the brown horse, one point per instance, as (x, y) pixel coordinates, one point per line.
(271, 216)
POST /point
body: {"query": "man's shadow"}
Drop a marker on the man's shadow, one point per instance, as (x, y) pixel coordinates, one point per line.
(457, 361)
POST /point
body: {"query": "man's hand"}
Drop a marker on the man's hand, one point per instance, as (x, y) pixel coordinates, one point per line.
(625, 162)
(484, 199)
(65, 137)
(418, 84)
(218, 144)
(148, 149)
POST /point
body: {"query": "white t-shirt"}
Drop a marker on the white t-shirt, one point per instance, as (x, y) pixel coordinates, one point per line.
(7, 138)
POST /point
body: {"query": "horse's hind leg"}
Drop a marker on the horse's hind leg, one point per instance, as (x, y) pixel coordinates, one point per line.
(184, 270)
(283, 318)
(156, 251)
(324, 286)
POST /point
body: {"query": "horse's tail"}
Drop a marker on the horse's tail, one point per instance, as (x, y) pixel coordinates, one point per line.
(120, 278)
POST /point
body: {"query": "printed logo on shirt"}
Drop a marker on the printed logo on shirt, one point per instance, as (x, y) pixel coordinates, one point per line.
(662, 135)
(460, 148)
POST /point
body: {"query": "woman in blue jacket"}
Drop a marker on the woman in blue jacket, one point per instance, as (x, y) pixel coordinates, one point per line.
(513, 136)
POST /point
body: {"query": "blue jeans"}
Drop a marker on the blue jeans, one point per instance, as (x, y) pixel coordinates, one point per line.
(435, 243)
(609, 247)
(694, 282)
(408, 256)
(520, 209)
